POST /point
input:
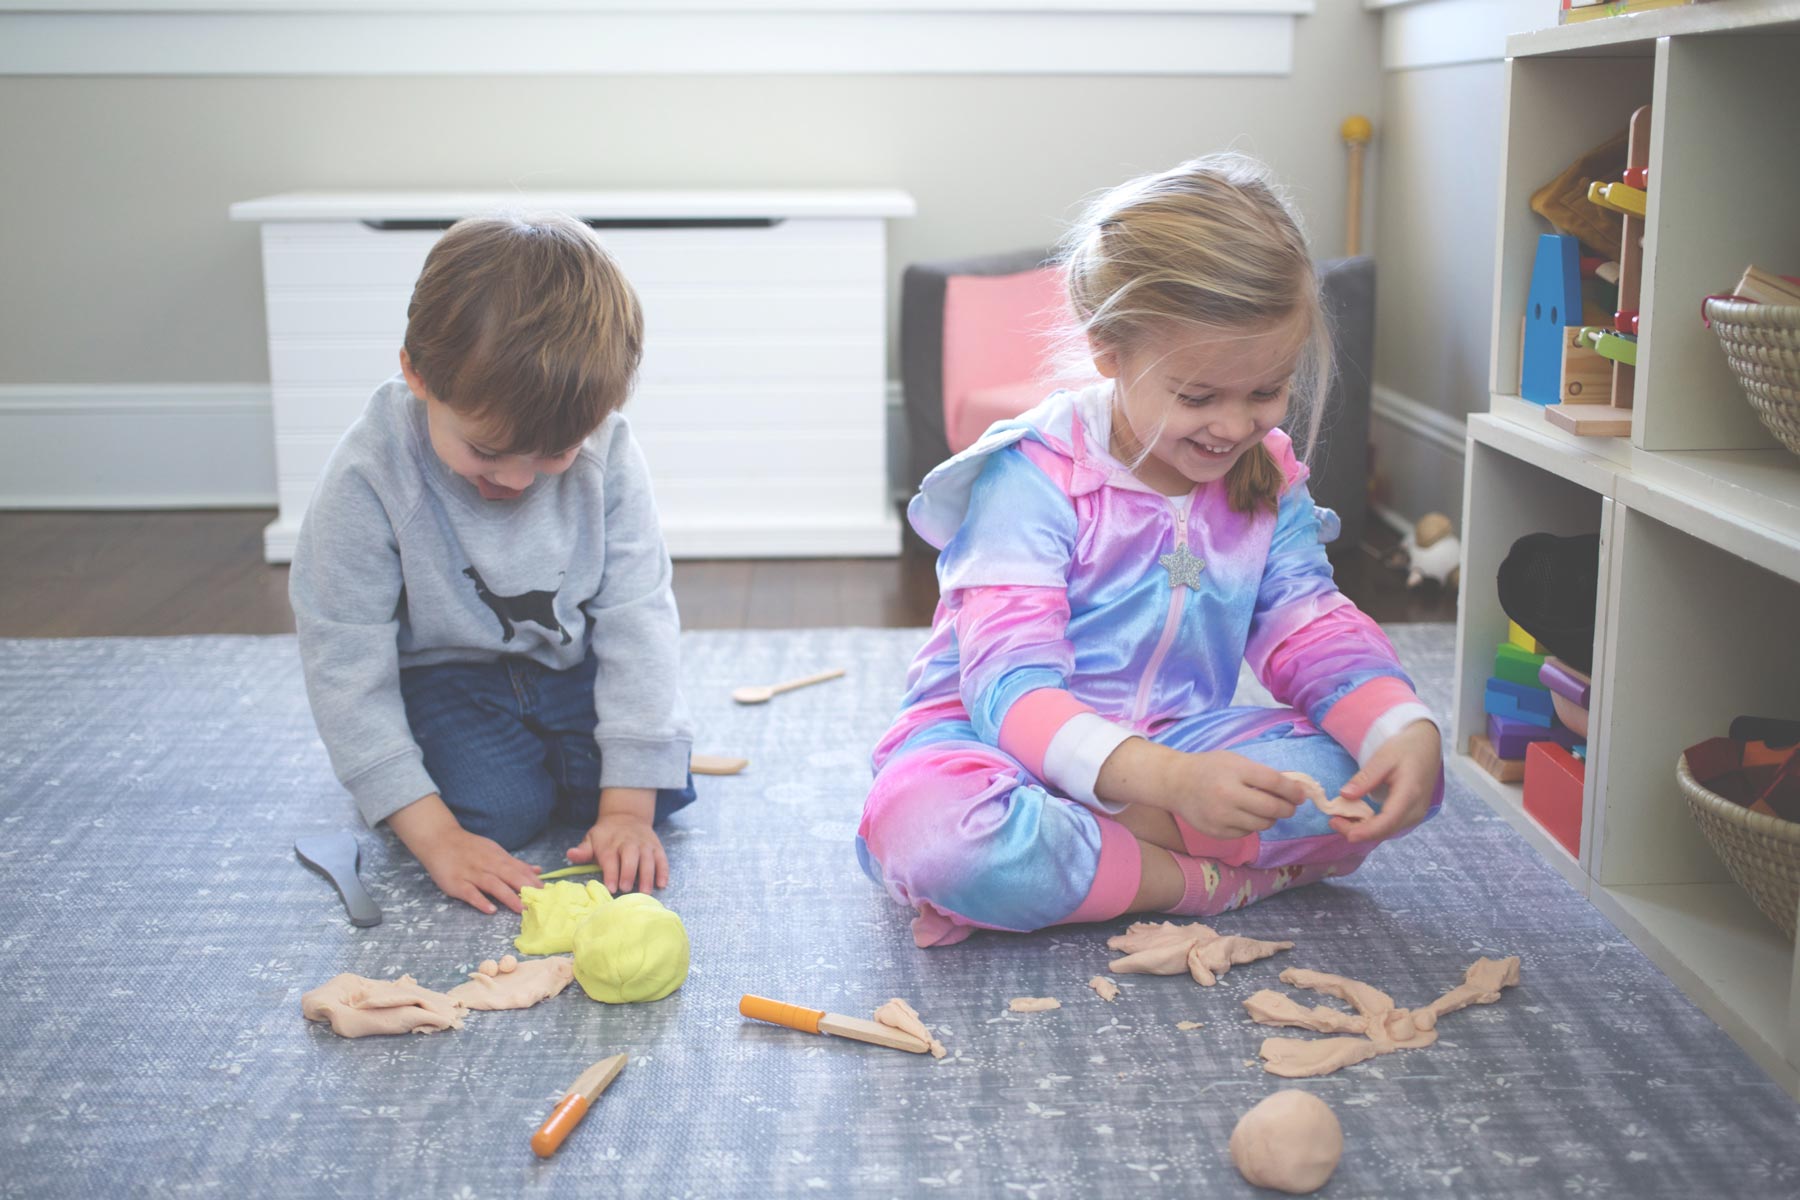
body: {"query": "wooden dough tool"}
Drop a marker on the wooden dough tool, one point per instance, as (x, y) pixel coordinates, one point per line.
(817, 1020)
(335, 856)
(716, 764)
(763, 694)
(574, 1105)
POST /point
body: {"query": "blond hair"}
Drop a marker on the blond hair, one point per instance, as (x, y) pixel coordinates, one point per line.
(525, 325)
(1212, 248)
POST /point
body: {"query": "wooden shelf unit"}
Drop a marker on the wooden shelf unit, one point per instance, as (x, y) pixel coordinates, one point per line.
(1698, 511)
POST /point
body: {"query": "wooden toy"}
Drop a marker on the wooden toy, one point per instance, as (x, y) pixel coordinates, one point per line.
(1611, 345)
(716, 764)
(1515, 633)
(574, 1105)
(1553, 779)
(1625, 322)
(1571, 714)
(1553, 303)
(763, 693)
(1515, 700)
(1565, 680)
(1631, 257)
(817, 1020)
(1586, 375)
(1563, 201)
(1619, 197)
(1506, 770)
(1510, 735)
(1591, 420)
(1517, 666)
(1356, 132)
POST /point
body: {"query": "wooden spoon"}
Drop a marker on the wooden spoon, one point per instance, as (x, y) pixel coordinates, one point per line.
(765, 693)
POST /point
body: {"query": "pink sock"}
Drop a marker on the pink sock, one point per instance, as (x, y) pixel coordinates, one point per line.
(1215, 887)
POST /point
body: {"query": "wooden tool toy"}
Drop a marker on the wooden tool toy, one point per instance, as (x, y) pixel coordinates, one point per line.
(716, 764)
(817, 1020)
(763, 694)
(574, 1105)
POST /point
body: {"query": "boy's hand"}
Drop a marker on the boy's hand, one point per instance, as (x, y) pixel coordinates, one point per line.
(622, 843)
(1407, 764)
(1220, 794)
(464, 865)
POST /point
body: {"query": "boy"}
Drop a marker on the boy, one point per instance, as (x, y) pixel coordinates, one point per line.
(480, 585)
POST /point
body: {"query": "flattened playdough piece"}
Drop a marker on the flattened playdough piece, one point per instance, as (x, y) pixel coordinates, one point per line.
(1335, 806)
(1272, 1008)
(1184, 1026)
(523, 986)
(1031, 1004)
(1105, 988)
(1165, 948)
(553, 913)
(1481, 985)
(359, 1007)
(630, 949)
(898, 1014)
(1295, 1058)
(1290, 1142)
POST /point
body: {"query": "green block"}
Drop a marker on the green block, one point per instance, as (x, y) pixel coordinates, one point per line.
(1516, 665)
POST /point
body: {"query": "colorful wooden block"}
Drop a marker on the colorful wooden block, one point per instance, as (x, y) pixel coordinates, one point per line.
(1499, 704)
(1515, 633)
(1553, 780)
(1593, 420)
(1510, 735)
(1506, 770)
(1553, 303)
(1619, 197)
(1517, 666)
(1586, 375)
(1609, 343)
(1565, 680)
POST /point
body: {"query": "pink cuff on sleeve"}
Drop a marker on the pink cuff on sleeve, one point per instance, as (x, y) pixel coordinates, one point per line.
(1033, 721)
(1365, 717)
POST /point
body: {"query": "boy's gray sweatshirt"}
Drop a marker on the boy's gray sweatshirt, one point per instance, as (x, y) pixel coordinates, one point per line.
(401, 563)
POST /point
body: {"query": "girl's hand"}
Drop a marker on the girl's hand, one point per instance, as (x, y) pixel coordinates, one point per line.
(1226, 795)
(627, 851)
(464, 865)
(1407, 764)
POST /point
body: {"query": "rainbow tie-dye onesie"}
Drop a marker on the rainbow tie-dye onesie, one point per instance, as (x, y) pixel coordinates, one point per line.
(1080, 608)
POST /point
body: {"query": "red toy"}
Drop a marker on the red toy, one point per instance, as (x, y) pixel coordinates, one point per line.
(1553, 779)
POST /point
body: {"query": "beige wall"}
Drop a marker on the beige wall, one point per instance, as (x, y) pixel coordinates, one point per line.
(1439, 171)
(118, 265)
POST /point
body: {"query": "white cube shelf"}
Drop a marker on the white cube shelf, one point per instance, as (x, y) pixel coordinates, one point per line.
(761, 404)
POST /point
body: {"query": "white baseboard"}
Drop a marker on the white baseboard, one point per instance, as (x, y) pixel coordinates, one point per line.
(1420, 450)
(199, 445)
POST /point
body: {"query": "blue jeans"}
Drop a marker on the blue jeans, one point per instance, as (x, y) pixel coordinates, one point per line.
(510, 745)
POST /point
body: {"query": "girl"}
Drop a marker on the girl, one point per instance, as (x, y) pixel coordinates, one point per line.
(1067, 750)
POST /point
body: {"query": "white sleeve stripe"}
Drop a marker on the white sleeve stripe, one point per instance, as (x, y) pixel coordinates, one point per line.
(1073, 759)
(1388, 724)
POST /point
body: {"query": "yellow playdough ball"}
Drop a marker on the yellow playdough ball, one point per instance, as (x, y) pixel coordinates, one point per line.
(631, 950)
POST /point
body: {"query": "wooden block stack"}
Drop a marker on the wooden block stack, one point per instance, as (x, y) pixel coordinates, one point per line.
(1521, 709)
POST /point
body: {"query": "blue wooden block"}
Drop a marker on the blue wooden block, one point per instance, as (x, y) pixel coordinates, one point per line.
(1499, 704)
(1553, 303)
(1525, 699)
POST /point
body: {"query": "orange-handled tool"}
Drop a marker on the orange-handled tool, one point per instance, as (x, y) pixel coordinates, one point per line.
(574, 1105)
(817, 1020)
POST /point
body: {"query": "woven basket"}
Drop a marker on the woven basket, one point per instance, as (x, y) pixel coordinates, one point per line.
(1761, 852)
(1762, 343)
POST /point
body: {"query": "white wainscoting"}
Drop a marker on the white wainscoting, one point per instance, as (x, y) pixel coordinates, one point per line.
(639, 37)
(197, 445)
(1420, 450)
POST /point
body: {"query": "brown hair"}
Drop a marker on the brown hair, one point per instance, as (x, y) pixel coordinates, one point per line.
(1212, 246)
(525, 325)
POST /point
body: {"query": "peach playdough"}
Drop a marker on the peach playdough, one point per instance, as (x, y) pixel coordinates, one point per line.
(1290, 1142)
(358, 1007)
(514, 984)
(630, 949)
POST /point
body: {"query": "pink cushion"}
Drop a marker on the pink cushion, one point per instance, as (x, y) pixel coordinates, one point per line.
(998, 332)
(983, 406)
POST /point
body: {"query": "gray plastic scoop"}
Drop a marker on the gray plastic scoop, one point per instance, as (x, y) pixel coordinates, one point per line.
(335, 855)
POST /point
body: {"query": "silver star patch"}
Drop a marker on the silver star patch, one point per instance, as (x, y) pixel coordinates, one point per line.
(1183, 568)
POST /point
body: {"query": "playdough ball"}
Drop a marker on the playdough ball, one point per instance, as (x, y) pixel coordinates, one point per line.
(489, 967)
(1290, 1142)
(508, 964)
(630, 950)
(554, 912)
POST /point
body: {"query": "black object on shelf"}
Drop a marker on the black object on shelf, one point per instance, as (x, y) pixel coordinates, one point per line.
(1548, 584)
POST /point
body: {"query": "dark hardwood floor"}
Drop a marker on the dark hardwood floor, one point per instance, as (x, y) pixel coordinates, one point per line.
(110, 574)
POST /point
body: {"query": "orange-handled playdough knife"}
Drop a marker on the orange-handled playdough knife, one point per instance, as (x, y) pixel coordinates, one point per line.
(817, 1020)
(574, 1105)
